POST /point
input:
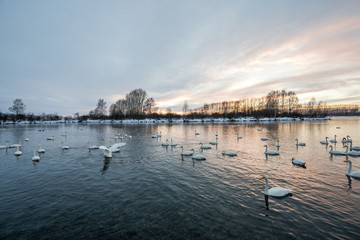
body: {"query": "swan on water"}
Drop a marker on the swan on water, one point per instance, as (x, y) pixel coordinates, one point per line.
(275, 191)
(264, 139)
(16, 145)
(325, 142)
(196, 133)
(356, 148)
(239, 137)
(51, 138)
(92, 146)
(173, 144)
(159, 135)
(5, 146)
(344, 140)
(27, 139)
(64, 147)
(155, 135)
(18, 152)
(355, 174)
(259, 129)
(333, 140)
(40, 150)
(348, 139)
(114, 148)
(270, 152)
(166, 143)
(336, 152)
(199, 157)
(204, 146)
(63, 134)
(299, 143)
(277, 144)
(35, 157)
(352, 153)
(186, 153)
(216, 142)
(231, 154)
(298, 162)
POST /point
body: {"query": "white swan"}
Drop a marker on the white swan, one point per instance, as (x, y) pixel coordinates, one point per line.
(166, 143)
(298, 162)
(155, 135)
(64, 147)
(27, 139)
(239, 137)
(336, 152)
(355, 174)
(270, 152)
(16, 145)
(196, 133)
(18, 152)
(216, 142)
(352, 153)
(299, 143)
(173, 144)
(356, 148)
(35, 157)
(348, 139)
(333, 140)
(114, 148)
(199, 157)
(63, 134)
(5, 146)
(325, 142)
(186, 153)
(51, 138)
(259, 129)
(277, 144)
(231, 154)
(92, 146)
(264, 139)
(204, 146)
(159, 135)
(275, 191)
(40, 150)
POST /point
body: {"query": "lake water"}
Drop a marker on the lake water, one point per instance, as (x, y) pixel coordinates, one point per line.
(148, 191)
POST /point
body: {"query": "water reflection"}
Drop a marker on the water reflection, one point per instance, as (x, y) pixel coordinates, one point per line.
(106, 165)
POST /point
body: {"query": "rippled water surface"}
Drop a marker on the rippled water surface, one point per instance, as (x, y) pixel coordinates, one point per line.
(148, 191)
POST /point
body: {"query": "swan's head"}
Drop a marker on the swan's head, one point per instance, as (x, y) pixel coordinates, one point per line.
(223, 152)
(263, 177)
(192, 150)
(292, 159)
(265, 145)
(348, 161)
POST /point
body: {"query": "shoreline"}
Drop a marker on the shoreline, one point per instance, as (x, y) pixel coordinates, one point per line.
(167, 121)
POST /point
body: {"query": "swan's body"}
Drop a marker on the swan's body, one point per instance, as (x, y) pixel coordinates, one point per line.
(270, 152)
(35, 157)
(186, 153)
(239, 137)
(64, 147)
(348, 139)
(51, 138)
(231, 154)
(356, 148)
(259, 129)
(343, 140)
(277, 144)
(159, 135)
(199, 157)
(92, 146)
(216, 142)
(264, 139)
(333, 140)
(353, 153)
(173, 144)
(336, 152)
(355, 174)
(27, 139)
(18, 152)
(64, 134)
(114, 148)
(325, 142)
(275, 191)
(299, 143)
(5, 146)
(196, 133)
(166, 143)
(204, 146)
(298, 162)
(155, 135)
(16, 145)
(40, 150)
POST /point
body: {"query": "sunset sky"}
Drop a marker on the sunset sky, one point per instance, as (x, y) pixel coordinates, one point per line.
(62, 56)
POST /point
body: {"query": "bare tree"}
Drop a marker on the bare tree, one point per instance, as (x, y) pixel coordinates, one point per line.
(149, 105)
(185, 107)
(100, 110)
(18, 106)
(135, 100)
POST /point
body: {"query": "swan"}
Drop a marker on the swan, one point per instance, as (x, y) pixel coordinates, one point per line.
(204, 146)
(5, 146)
(270, 152)
(277, 144)
(114, 148)
(343, 141)
(356, 148)
(51, 138)
(199, 157)
(35, 157)
(92, 146)
(173, 144)
(166, 143)
(16, 145)
(325, 142)
(348, 139)
(239, 137)
(352, 153)
(155, 135)
(18, 152)
(333, 140)
(40, 150)
(27, 139)
(196, 133)
(275, 191)
(298, 162)
(231, 154)
(264, 139)
(336, 152)
(159, 135)
(355, 174)
(64, 147)
(216, 142)
(63, 134)
(186, 153)
(259, 129)
(299, 143)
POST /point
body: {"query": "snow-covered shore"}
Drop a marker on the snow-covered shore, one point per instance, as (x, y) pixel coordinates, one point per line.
(170, 121)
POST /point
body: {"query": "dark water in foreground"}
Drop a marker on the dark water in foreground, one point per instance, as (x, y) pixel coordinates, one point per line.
(148, 191)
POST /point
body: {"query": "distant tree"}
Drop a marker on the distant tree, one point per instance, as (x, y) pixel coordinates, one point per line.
(185, 107)
(18, 106)
(135, 101)
(100, 110)
(77, 115)
(168, 110)
(149, 105)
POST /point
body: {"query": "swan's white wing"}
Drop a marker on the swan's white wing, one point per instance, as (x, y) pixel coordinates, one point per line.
(279, 191)
(355, 174)
(103, 148)
(116, 146)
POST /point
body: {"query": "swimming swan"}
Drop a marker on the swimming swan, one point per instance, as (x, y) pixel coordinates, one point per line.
(166, 143)
(35, 157)
(333, 140)
(348, 139)
(264, 139)
(298, 162)
(277, 144)
(40, 150)
(92, 146)
(336, 152)
(204, 146)
(325, 142)
(186, 153)
(216, 142)
(196, 133)
(18, 152)
(355, 174)
(356, 148)
(5, 146)
(114, 148)
(173, 144)
(16, 145)
(199, 157)
(299, 143)
(275, 191)
(64, 147)
(270, 152)
(231, 154)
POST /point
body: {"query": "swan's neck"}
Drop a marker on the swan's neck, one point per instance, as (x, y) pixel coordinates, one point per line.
(266, 187)
(346, 149)
(265, 152)
(349, 169)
